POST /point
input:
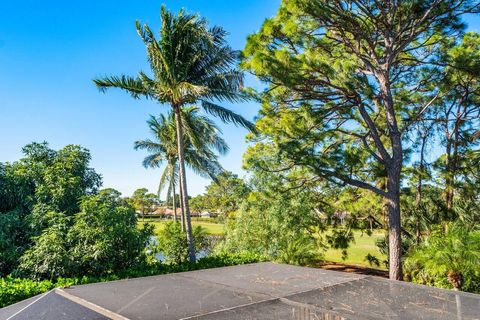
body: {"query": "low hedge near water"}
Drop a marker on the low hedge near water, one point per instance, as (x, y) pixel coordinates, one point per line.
(13, 290)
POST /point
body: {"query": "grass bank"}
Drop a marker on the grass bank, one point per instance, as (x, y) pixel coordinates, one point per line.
(363, 245)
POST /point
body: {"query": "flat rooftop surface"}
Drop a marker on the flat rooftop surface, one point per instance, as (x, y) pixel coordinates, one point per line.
(253, 291)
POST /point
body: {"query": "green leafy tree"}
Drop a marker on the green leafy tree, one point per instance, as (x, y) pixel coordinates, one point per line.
(102, 238)
(225, 195)
(42, 181)
(459, 114)
(49, 256)
(142, 201)
(344, 79)
(199, 203)
(58, 178)
(269, 219)
(189, 63)
(173, 245)
(13, 240)
(105, 237)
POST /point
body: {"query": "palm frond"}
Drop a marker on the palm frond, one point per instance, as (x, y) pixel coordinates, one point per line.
(134, 86)
(164, 180)
(227, 115)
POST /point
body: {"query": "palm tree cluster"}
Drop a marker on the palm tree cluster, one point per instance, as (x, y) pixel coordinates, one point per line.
(190, 64)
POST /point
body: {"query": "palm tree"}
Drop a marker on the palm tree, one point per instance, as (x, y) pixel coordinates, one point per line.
(450, 254)
(202, 143)
(190, 64)
(162, 149)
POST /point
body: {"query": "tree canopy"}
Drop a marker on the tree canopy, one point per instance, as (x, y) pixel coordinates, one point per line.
(347, 79)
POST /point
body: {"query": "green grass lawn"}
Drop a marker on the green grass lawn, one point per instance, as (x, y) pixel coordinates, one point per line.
(211, 228)
(364, 244)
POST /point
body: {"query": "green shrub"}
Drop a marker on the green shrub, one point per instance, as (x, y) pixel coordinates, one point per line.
(48, 258)
(11, 240)
(266, 227)
(300, 251)
(102, 239)
(13, 290)
(105, 238)
(172, 242)
(449, 258)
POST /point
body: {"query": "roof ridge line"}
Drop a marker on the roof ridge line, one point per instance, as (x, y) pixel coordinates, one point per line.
(90, 305)
(228, 309)
(30, 304)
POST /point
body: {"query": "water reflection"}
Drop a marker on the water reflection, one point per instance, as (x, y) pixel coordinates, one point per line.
(160, 256)
(201, 254)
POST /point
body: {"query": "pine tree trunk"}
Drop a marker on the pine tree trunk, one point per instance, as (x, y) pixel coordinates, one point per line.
(448, 177)
(418, 200)
(394, 169)
(394, 226)
(183, 184)
(452, 161)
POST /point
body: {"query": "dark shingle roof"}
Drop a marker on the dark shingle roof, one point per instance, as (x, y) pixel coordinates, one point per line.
(255, 291)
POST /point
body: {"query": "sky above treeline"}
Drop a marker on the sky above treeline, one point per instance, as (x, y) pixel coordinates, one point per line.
(51, 50)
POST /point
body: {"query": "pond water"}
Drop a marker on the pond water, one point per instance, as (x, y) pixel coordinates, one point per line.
(202, 254)
(160, 257)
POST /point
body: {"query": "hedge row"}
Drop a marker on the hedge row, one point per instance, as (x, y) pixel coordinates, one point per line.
(13, 290)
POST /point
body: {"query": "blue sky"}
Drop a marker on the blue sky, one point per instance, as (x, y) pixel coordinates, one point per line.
(51, 50)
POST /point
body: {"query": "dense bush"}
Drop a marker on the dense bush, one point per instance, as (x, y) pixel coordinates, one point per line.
(42, 182)
(278, 227)
(15, 289)
(49, 255)
(103, 238)
(449, 258)
(11, 237)
(172, 242)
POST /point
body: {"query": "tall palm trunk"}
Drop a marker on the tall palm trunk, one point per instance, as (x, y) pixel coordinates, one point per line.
(183, 183)
(182, 210)
(174, 205)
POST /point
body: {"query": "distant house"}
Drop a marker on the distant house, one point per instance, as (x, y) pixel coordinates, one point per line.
(195, 214)
(167, 213)
(159, 211)
(338, 216)
(341, 216)
(206, 214)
